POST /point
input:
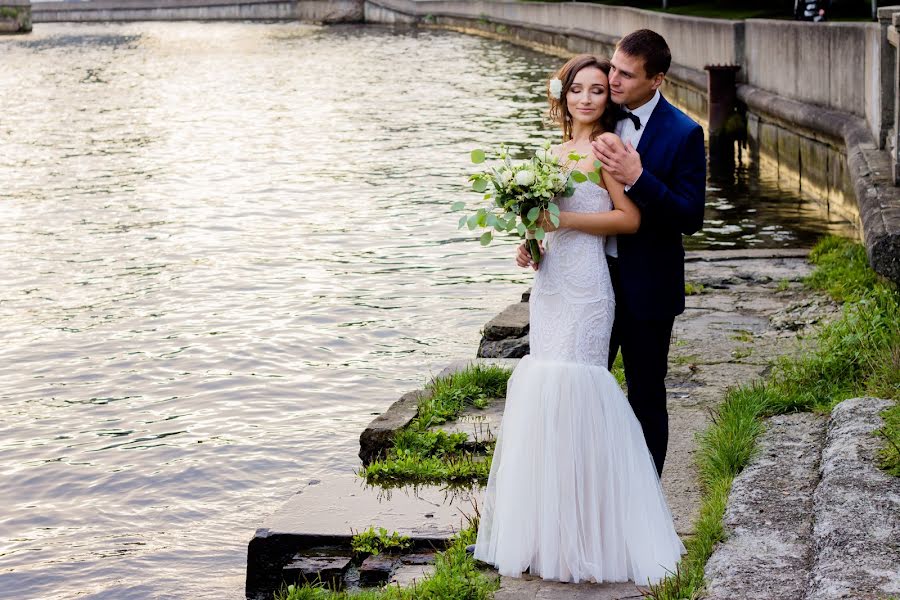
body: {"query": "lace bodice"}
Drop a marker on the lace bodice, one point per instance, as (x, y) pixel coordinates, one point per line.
(572, 304)
(574, 262)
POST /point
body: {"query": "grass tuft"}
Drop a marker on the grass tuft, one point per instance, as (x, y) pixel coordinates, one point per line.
(420, 456)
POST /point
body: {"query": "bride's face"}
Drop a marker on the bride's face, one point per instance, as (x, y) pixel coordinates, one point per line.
(587, 96)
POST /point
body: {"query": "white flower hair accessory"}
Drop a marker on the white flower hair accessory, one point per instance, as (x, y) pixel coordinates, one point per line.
(556, 88)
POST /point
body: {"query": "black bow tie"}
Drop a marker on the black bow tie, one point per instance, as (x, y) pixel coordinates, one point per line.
(634, 119)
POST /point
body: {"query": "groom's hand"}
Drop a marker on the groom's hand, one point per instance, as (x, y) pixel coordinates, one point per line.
(623, 163)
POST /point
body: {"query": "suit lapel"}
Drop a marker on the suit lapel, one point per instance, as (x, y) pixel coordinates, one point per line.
(654, 125)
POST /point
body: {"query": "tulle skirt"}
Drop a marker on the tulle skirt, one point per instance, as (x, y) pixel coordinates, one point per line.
(573, 493)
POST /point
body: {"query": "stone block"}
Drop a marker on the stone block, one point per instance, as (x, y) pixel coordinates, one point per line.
(326, 514)
(512, 322)
(857, 508)
(768, 552)
(408, 575)
(378, 437)
(516, 347)
(329, 570)
(377, 569)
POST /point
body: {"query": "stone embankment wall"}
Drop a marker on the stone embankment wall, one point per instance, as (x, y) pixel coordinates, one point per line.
(15, 16)
(316, 11)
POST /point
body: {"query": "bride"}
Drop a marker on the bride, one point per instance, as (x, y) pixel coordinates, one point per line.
(573, 494)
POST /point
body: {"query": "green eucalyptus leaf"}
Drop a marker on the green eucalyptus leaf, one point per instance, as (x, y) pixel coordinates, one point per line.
(594, 176)
(533, 214)
(458, 206)
(521, 228)
(553, 208)
(462, 221)
(579, 177)
(479, 185)
(472, 222)
(598, 165)
(539, 233)
(478, 156)
(555, 220)
(486, 238)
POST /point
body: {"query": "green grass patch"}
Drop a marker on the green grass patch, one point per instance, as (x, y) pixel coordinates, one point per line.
(420, 456)
(374, 542)
(856, 355)
(694, 289)
(456, 577)
(890, 453)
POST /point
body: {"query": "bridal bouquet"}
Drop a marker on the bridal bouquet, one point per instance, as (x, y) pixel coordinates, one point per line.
(518, 193)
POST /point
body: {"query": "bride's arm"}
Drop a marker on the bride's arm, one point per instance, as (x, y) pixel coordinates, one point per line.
(623, 218)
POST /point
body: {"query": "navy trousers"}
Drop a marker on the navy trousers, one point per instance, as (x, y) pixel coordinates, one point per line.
(645, 353)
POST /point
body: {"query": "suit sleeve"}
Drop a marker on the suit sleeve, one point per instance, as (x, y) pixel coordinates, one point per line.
(682, 202)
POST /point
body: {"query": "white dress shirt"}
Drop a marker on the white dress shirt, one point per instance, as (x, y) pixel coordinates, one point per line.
(625, 130)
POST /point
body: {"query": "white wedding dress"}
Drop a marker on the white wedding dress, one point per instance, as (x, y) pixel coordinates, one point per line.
(573, 493)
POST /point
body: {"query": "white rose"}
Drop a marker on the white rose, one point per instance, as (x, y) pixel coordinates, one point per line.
(556, 88)
(559, 180)
(524, 178)
(505, 176)
(543, 155)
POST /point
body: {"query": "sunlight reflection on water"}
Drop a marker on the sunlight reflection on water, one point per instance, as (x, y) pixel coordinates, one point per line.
(221, 259)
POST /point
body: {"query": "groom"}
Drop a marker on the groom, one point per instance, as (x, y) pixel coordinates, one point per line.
(663, 168)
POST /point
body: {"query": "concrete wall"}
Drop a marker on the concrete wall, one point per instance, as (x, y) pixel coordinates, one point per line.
(15, 16)
(696, 42)
(319, 11)
(835, 65)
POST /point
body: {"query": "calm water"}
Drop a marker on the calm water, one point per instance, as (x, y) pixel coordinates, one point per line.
(225, 246)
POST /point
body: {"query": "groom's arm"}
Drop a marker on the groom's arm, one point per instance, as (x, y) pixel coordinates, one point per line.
(682, 202)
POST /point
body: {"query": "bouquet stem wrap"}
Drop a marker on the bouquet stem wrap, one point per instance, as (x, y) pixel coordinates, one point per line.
(533, 247)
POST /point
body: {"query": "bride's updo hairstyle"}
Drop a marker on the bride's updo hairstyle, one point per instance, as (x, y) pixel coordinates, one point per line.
(559, 110)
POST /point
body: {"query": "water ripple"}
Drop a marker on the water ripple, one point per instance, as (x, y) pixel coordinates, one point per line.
(226, 246)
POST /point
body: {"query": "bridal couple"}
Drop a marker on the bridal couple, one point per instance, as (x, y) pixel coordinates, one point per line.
(574, 492)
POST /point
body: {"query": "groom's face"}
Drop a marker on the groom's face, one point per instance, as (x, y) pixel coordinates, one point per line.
(628, 82)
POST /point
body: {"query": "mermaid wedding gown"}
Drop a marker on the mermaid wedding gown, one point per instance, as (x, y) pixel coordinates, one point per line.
(573, 493)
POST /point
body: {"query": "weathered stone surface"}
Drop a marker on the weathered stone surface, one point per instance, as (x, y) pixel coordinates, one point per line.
(327, 513)
(379, 435)
(516, 347)
(857, 507)
(418, 558)
(534, 588)
(512, 322)
(329, 570)
(376, 570)
(769, 519)
(407, 575)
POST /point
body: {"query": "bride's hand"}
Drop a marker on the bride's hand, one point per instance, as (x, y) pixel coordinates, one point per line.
(523, 256)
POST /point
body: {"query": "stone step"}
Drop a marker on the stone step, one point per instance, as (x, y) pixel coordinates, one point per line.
(857, 508)
(812, 517)
(769, 519)
(321, 519)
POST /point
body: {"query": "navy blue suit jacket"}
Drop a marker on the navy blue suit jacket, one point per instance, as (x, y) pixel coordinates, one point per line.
(671, 194)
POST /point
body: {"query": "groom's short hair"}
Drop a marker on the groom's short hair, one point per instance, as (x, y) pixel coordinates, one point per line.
(649, 45)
